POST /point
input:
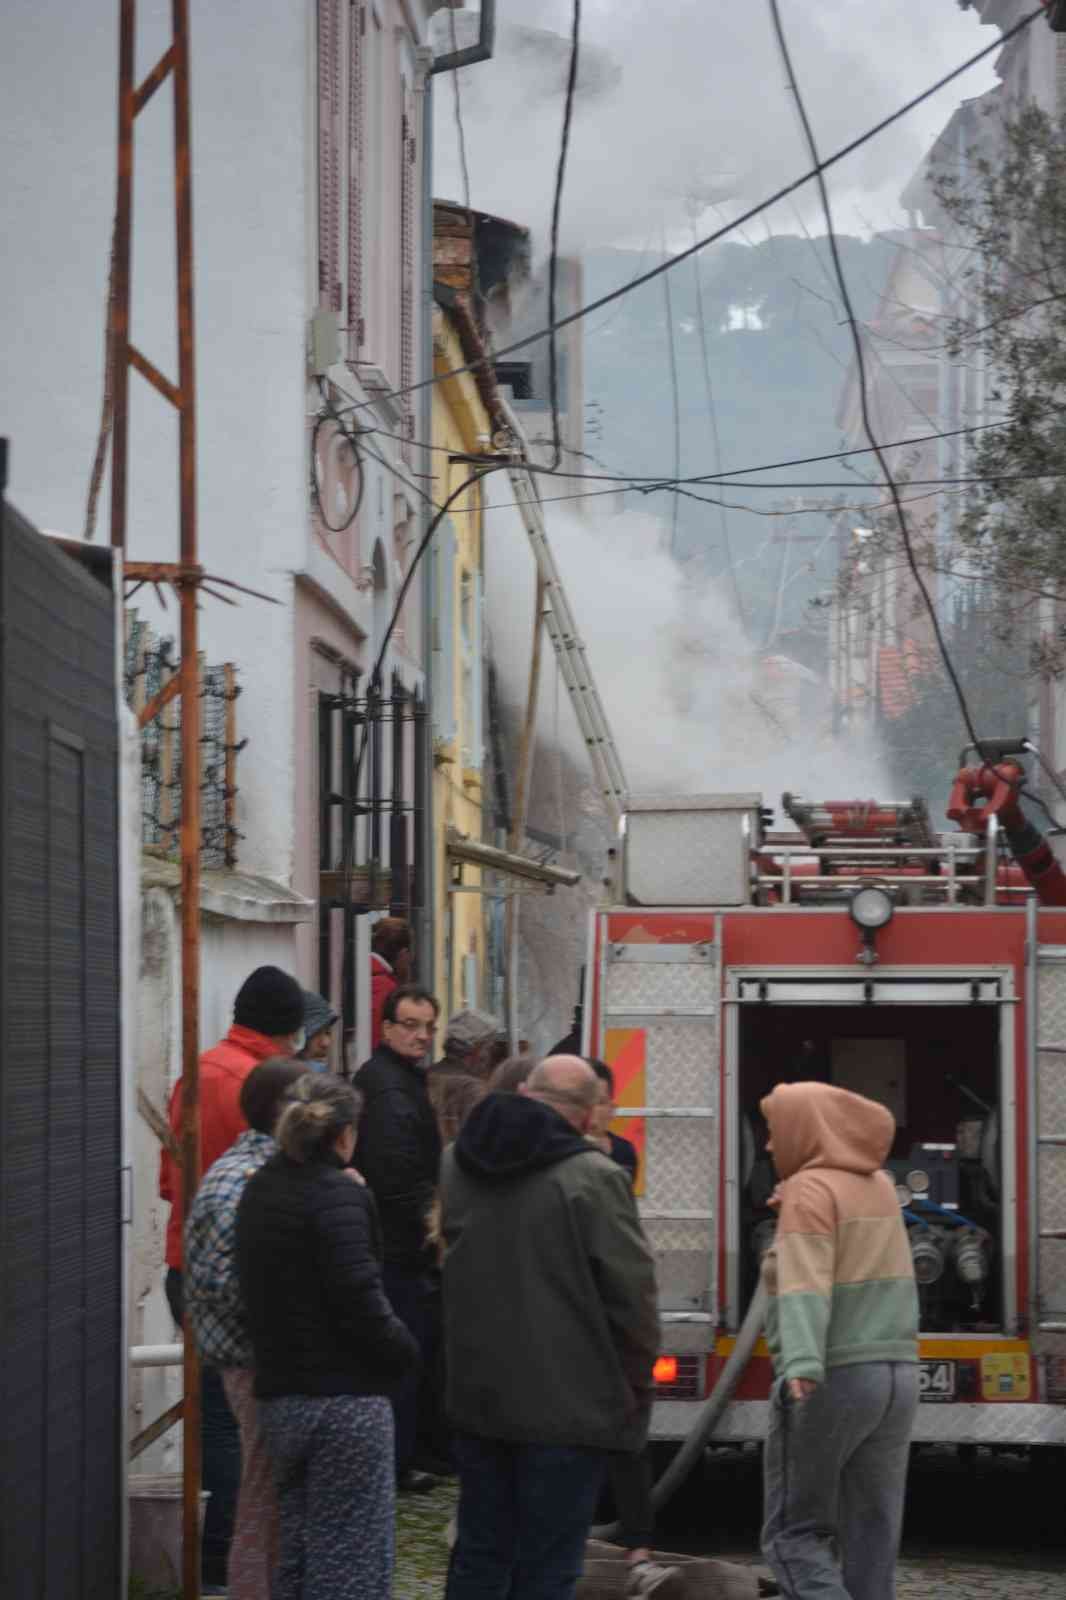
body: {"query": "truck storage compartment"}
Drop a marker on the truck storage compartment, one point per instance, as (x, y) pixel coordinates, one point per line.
(936, 1067)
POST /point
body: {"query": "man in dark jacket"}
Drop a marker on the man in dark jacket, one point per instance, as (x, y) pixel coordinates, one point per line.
(399, 1156)
(551, 1330)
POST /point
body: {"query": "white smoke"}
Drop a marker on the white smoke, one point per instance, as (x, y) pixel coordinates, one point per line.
(690, 98)
(688, 700)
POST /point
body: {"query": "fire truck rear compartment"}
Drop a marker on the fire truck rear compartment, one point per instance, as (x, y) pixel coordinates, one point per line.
(937, 1069)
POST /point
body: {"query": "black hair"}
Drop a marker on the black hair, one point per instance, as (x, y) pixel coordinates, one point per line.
(602, 1071)
(318, 1108)
(408, 991)
(264, 1089)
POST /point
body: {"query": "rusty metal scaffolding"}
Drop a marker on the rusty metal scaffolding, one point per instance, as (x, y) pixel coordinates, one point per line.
(186, 576)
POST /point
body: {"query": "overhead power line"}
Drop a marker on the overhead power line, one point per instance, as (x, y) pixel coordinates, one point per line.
(719, 475)
(557, 206)
(860, 364)
(712, 238)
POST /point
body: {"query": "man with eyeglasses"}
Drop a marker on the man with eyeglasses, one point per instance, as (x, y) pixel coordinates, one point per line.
(398, 1153)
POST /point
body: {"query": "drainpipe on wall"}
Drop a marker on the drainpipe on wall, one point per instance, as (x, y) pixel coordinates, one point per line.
(468, 56)
(425, 933)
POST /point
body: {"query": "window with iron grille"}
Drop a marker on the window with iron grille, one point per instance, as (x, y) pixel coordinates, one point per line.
(329, 155)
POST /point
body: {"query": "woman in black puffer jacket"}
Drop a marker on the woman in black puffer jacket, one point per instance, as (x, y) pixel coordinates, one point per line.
(328, 1348)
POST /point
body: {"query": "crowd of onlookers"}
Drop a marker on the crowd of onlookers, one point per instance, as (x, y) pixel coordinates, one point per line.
(403, 1278)
(438, 1268)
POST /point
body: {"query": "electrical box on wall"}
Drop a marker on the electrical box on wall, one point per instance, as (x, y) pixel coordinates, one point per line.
(690, 850)
(325, 343)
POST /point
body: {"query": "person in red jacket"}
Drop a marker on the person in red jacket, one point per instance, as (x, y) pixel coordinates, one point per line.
(267, 1021)
(390, 965)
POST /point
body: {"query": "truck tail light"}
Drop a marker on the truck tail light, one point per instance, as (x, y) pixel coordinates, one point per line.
(679, 1377)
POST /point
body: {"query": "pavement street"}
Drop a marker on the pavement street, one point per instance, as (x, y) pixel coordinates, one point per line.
(973, 1534)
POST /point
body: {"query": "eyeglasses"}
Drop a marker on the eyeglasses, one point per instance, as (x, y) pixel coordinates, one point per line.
(414, 1025)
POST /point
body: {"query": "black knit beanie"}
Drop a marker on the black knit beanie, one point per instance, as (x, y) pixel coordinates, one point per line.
(270, 1002)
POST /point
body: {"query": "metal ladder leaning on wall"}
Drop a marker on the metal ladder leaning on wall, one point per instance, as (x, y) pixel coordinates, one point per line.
(561, 628)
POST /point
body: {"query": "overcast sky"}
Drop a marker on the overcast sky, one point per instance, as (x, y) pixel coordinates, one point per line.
(701, 102)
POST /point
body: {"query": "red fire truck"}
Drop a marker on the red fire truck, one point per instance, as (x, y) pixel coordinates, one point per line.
(859, 946)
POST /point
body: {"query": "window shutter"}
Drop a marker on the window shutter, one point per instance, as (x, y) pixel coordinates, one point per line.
(356, 184)
(477, 734)
(408, 160)
(444, 557)
(329, 156)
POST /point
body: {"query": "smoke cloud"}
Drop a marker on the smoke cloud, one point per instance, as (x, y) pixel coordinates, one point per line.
(684, 105)
(692, 707)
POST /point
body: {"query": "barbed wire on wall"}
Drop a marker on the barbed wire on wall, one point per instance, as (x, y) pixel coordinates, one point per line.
(148, 665)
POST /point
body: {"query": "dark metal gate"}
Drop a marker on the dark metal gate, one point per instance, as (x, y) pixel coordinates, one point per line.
(61, 1350)
(373, 781)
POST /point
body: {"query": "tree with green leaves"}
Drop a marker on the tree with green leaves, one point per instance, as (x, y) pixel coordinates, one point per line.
(1007, 228)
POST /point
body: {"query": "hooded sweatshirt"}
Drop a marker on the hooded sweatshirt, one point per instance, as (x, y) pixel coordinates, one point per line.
(551, 1324)
(839, 1274)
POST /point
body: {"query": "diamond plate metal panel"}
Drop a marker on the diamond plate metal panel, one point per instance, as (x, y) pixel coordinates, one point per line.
(682, 1164)
(666, 1233)
(638, 987)
(1051, 1276)
(1051, 1181)
(682, 1063)
(686, 858)
(1051, 1002)
(934, 1424)
(1051, 1091)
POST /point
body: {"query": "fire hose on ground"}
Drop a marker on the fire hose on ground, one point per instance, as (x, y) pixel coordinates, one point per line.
(706, 1421)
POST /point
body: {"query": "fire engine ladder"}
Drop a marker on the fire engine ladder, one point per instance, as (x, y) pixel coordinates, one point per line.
(570, 652)
(1047, 1193)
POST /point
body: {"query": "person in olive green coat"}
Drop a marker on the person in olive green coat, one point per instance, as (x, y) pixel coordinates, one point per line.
(551, 1331)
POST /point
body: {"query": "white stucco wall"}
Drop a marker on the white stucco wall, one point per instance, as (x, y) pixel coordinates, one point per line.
(57, 144)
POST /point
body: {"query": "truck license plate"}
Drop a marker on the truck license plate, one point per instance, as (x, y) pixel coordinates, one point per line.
(936, 1380)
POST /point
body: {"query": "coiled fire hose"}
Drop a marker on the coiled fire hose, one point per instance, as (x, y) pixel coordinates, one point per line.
(700, 1436)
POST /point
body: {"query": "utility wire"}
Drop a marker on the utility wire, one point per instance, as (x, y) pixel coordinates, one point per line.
(729, 227)
(460, 134)
(716, 442)
(675, 392)
(557, 206)
(860, 364)
(706, 477)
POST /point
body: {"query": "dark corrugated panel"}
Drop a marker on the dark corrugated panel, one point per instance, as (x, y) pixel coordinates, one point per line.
(60, 1228)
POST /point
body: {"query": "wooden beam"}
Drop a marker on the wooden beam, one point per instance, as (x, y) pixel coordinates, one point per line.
(168, 390)
(158, 1124)
(155, 1430)
(158, 74)
(170, 691)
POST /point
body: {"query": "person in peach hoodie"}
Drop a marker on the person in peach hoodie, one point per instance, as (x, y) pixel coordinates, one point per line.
(842, 1327)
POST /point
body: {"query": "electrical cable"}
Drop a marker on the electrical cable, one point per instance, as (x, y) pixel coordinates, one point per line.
(864, 398)
(557, 204)
(675, 393)
(1049, 773)
(716, 442)
(330, 414)
(729, 227)
(711, 477)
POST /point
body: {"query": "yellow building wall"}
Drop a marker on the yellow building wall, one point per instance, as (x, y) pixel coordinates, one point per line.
(460, 424)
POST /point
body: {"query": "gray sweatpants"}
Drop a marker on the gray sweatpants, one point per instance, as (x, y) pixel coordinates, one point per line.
(835, 1476)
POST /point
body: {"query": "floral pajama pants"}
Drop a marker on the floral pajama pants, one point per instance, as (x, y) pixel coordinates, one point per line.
(253, 1551)
(333, 1467)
